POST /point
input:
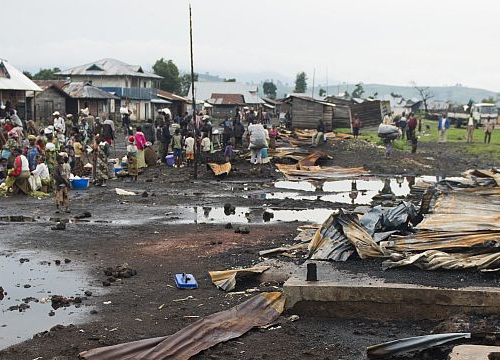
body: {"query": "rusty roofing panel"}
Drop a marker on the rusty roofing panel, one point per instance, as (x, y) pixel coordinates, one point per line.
(226, 99)
(260, 310)
(79, 90)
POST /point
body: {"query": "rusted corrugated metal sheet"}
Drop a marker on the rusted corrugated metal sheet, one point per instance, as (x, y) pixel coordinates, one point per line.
(260, 310)
(443, 240)
(226, 279)
(435, 260)
(319, 172)
(330, 243)
(220, 169)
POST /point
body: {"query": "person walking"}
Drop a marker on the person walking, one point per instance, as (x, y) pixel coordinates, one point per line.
(403, 122)
(140, 142)
(412, 126)
(443, 126)
(470, 129)
(238, 132)
(488, 129)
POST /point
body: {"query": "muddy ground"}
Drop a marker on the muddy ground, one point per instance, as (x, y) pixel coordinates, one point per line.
(144, 232)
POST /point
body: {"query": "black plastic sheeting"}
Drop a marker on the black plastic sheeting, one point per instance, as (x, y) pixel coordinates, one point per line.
(401, 346)
(383, 220)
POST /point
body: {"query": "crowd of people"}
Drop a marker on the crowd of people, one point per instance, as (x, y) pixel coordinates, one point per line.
(40, 160)
(43, 160)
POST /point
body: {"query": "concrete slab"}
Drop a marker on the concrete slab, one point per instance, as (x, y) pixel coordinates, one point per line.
(342, 294)
(475, 352)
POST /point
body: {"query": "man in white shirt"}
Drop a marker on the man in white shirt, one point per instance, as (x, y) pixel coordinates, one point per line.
(59, 123)
(470, 129)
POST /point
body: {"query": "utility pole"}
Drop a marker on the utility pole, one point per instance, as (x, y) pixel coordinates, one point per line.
(195, 175)
(314, 75)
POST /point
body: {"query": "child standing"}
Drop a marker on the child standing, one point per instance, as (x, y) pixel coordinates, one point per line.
(228, 152)
(61, 177)
(177, 146)
(206, 147)
(189, 146)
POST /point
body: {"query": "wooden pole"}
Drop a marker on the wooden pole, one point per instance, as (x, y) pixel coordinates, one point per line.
(314, 75)
(195, 175)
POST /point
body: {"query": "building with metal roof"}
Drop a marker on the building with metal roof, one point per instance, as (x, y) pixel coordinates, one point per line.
(13, 87)
(205, 90)
(108, 67)
(136, 88)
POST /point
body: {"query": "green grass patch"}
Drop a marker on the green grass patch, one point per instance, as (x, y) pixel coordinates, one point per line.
(430, 134)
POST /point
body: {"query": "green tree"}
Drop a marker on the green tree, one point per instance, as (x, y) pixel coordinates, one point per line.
(322, 92)
(300, 83)
(489, 100)
(28, 74)
(170, 73)
(358, 91)
(269, 89)
(230, 80)
(185, 80)
(46, 74)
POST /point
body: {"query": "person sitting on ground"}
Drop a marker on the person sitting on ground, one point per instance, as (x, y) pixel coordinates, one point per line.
(189, 147)
(62, 172)
(40, 176)
(320, 133)
(150, 155)
(132, 159)
(17, 179)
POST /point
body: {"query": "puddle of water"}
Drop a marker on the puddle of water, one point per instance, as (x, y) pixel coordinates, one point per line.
(44, 281)
(245, 215)
(359, 192)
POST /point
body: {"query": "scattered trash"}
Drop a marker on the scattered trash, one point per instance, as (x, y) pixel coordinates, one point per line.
(242, 230)
(107, 302)
(124, 192)
(222, 169)
(226, 280)
(293, 318)
(229, 324)
(59, 226)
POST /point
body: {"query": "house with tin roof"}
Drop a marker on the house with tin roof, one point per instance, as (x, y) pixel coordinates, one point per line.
(136, 88)
(225, 97)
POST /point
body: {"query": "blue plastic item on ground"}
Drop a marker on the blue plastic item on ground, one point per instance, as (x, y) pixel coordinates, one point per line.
(118, 169)
(263, 153)
(170, 160)
(186, 281)
(80, 184)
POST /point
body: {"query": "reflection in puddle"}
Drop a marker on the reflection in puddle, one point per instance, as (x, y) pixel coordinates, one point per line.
(342, 191)
(216, 215)
(36, 280)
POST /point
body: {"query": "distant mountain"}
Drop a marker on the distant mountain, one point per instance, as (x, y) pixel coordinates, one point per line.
(456, 94)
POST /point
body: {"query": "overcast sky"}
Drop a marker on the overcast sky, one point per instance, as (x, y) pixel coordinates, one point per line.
(438, 42)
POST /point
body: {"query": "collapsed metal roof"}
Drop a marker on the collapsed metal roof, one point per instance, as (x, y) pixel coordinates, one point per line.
(80, 90)
(13, 79)
(108, 67)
